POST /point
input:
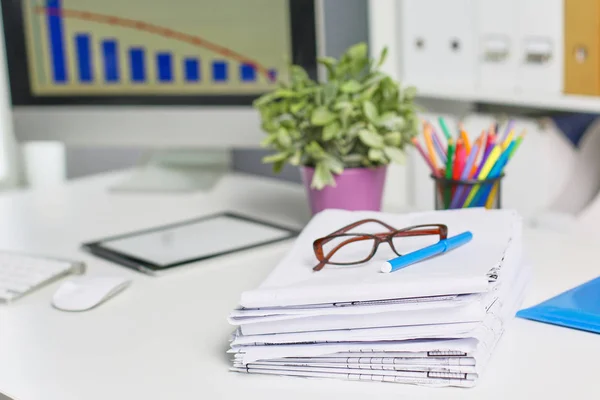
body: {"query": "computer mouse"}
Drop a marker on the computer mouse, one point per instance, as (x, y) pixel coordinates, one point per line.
(86, 292)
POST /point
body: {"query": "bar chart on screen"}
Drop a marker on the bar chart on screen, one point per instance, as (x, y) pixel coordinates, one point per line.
(115, 47)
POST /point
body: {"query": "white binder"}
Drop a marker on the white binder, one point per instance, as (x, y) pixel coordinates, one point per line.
(497, 38)
(540, 46)
(438, 42)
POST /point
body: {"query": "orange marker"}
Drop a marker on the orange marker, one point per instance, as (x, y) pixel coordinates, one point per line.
(465, 138)
(429, 144)
(481, 140)
(434, 170)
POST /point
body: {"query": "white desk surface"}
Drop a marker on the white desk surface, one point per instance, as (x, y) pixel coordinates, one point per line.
(166, 337)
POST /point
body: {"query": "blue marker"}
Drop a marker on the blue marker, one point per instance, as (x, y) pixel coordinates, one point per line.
(482, 196)
(427, 252)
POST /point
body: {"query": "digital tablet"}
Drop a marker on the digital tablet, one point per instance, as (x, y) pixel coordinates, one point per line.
(165, 247)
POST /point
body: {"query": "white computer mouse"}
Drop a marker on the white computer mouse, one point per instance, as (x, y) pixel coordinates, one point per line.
(86, 292)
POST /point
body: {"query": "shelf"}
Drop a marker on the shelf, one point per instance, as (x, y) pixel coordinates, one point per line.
(540, 101)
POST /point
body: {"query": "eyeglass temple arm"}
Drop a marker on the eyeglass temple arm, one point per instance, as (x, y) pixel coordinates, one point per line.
(441, 230)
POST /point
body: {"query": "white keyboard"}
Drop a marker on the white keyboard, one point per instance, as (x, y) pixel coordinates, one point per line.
(21, 273)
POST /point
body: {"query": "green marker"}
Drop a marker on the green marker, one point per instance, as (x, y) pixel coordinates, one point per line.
(448, 189)
(445, 129)
(515, 147)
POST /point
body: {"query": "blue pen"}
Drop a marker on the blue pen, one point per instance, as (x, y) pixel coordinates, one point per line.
(483, 194)
(427, 252)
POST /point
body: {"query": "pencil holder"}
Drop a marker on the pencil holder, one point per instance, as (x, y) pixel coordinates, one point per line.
(451, 194)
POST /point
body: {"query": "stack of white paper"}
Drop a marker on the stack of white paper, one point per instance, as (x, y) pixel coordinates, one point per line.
(434, 323)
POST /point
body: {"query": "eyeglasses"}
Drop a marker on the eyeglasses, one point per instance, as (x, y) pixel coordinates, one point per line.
(344, 248)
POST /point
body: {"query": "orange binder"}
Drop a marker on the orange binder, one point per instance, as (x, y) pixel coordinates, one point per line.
(582, 47)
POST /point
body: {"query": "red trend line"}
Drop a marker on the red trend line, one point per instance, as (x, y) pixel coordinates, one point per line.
(157, 30)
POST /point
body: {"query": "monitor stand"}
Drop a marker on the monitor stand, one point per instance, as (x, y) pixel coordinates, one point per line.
(177, 171)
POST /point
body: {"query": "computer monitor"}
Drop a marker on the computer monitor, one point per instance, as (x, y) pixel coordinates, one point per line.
(160, 73)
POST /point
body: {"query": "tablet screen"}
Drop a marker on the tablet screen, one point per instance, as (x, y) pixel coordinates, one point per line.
(195, 240)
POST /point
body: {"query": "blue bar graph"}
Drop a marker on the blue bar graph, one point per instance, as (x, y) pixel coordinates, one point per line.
(84, 57)
(247, 73)
(111, 60)
(81, 57)
(164, 66)
(191, 67)
(219, 70)
(57, 43)
(137, 60)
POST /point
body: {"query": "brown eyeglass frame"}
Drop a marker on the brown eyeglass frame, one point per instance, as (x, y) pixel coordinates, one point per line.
(378, 238)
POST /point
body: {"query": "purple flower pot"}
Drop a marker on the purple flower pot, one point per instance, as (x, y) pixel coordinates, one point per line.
(355, 189)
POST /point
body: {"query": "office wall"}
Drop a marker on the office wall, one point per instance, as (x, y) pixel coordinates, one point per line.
(345, 23)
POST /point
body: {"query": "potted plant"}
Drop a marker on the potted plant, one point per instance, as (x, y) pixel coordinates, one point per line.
(343, 132)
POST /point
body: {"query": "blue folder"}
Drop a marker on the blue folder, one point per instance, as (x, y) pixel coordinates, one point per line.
(578, 308)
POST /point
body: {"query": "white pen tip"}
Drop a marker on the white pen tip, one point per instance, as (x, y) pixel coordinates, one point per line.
(386, 267)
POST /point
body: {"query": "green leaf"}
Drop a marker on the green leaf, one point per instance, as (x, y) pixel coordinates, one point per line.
(296, 159)
(314, 150)
(375, 78)
(369, 93)
(394, 154)
(275, 157)
(306, 92)
(264, 99)
(322, 116)
(331, 130)
(370, 139)
(415, 126)
(351, 86)
(270, 125)
(370, 111)
(284, 93)
(329, 92)
(295, 134)
(340, 105)
(357, 51)
(391, 121)
(322, 177)
(278, 166)
(359, 65)
(330, 63)
(268, 141)
(304, 125)
(283, 137)
(376, 155)
(345, 115)
(327, 61)
(393, 139)
(287, 121)
(296, 107)
(355, 128)
(334, 165)
(298, 75)
(382, 57)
